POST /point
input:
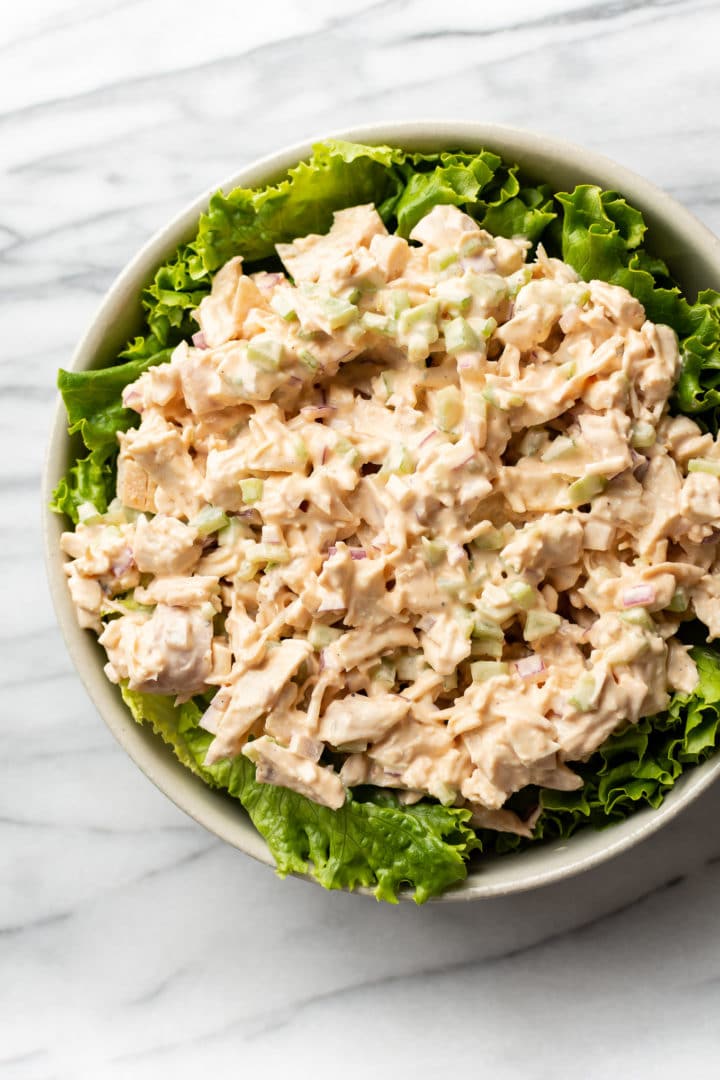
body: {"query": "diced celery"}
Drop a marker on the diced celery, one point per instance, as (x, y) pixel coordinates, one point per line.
(247, 570)
(576, 293)
(585, 693)
(440, 260)
(482, 670)
(265, 351)
(338, 312)
(531, 441)
(88, 514)
(523, 594)
(449, 407)
(395, 302)
(307, 359)
(353, 295)
(488, 328)
(454, 297)
(445, 793)
(500, 399)
(381, 324)
(451, 586)
(302, 674)
(450, 682)
(433, 550)
(471, 246)
(679, 602)
(357, 746)
(399, 460)
(586, 488)
(643, 435)
(251, 489)
(210, 519)
(487, 646)
(568, 370)
(408, 666)
(488, 288)
(539, 624)
(301, 450)
(485, 628)
(558, 448)
(231, 533)
(423, 315)
(519, 279)
(129, 603)
(460, 336)
(637, 616)
(704, 465)
(270, 553)
(419, 342)
(384, 672)
(320, 636)
(282, 304)
(492, 540)
(345, 447)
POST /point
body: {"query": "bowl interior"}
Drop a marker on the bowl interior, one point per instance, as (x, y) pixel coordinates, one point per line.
(693, 254)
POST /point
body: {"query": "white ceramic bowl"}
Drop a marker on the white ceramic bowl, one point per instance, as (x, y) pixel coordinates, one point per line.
(693, 254)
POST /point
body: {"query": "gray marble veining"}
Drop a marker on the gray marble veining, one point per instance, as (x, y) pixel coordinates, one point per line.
(133, 944)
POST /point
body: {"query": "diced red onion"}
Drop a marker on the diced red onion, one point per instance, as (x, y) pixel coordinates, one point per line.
(306, 746)
(199, 341)
(295, 380)
(529, 665)
(358, 553)
(638, 595)
(324, 457)
(464, 462)
(426, 623)
(465, 363)
(123, 563)
(392, 774)
(428, 437)
(267, 282)
(132, 398)
(332, 550)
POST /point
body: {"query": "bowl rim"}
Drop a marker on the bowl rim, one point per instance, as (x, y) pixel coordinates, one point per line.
(148, 752)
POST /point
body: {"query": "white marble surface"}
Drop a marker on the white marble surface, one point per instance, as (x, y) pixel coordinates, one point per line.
(133, 944)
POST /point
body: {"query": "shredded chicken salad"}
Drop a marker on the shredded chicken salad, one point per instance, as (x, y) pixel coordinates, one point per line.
(416, 510)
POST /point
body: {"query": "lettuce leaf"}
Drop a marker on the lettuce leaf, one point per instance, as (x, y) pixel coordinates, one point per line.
(374, 840)
(601, 235)
(381, 844)
(636, 766)
(93, 399)
(251, 222)
(95, 412)
(90, 479)
(376, 844)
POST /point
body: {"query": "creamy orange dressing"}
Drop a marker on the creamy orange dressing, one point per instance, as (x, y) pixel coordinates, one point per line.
(417, 504)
